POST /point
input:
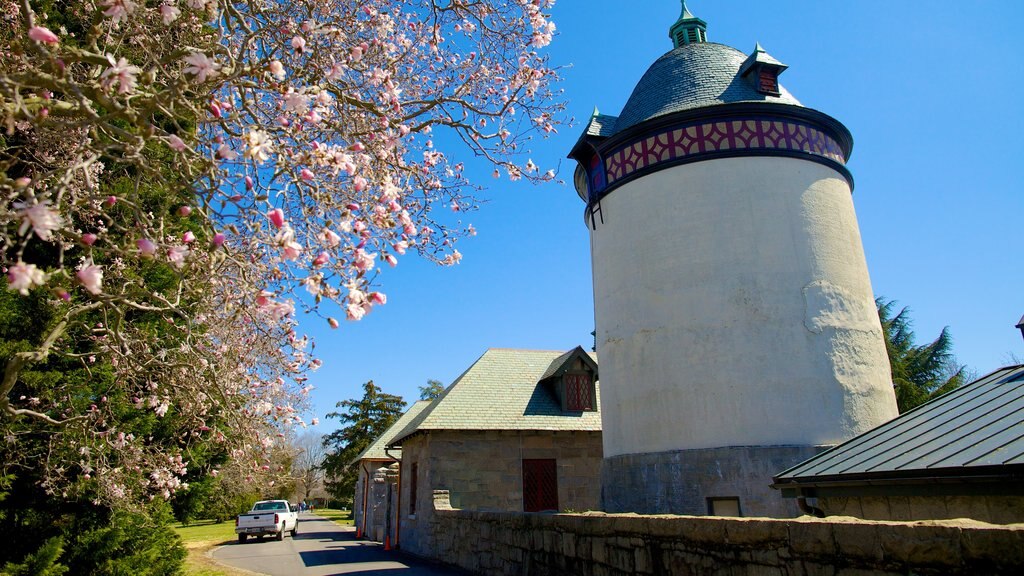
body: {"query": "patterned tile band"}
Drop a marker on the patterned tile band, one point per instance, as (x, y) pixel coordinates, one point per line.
(710, 138)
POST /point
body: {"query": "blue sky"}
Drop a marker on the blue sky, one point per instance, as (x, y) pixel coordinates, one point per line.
(933, 93)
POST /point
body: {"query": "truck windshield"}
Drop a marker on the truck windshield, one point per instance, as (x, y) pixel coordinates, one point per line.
(263, 506)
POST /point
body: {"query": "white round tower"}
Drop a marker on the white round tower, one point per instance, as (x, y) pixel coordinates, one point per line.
(736, 326)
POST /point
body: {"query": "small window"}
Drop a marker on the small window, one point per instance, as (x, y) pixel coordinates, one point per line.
(724, 507)
(579, 394)
(540, 485)
(768, 81)
(412, 488)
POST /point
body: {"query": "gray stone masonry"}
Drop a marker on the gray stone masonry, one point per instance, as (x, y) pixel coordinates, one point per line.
(598, 544)
(482, 470)
(681, 481)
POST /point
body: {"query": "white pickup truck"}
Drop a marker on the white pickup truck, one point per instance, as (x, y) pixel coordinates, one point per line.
(267, 517)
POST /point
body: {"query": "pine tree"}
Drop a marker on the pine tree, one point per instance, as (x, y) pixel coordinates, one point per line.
(432, 390)
(363, 420)
(919, 372)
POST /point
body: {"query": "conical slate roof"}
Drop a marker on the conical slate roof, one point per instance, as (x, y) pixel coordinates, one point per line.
(693, 76)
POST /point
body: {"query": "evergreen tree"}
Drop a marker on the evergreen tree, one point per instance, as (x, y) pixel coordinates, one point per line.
(919, 372)
(363, 421)
(432, 390)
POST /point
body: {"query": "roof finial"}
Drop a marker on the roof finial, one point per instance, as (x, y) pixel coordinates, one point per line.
(688, 29)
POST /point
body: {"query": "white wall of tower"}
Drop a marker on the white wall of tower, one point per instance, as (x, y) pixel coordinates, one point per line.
(734, 308)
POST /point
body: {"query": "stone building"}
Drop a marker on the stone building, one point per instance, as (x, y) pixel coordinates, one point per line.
(960, 455)
(520, 430)
(375, 502)
(736, 323)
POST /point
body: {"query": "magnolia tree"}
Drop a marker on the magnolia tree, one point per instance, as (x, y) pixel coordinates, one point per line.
(178, 176)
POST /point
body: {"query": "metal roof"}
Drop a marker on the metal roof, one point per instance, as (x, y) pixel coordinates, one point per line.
(693, 76)
(502, 391)
(375, 451)
(975, 430)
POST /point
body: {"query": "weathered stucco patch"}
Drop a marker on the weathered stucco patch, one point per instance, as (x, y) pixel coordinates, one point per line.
(829, 306)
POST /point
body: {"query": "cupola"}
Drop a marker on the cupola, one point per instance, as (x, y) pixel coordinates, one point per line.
(688, 29)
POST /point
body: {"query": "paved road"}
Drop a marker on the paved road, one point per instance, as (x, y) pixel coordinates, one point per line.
(322, 548)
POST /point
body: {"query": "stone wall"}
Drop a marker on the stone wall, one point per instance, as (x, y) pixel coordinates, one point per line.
(597, 544)
(482, 470)
(681, 481)
(997, 509)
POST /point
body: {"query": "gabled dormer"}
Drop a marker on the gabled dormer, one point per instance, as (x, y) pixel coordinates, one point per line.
(761, 70)
(572, 377)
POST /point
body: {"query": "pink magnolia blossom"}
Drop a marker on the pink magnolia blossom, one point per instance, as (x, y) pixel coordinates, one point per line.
(110, 201)
(146, 246)
(218, 239)
(314, 421)
(89, 238)
(184, 211)
(332, 322)
(330, 238)
(118, 10)
(23, 277)
(121, 73)
(188, 237)
(42, 34)
(90, 277)
(201, 66)
(378, 298)
(306, 174)
(298, 43)
(390, 259)
(176, 143)
(401, 246)
(169, 13)
(177, 255)
(39, 217)
(259, 146)
(355, 312)
(291, 250)
(321, 259)
(224, 152)
(363, 261)
(276, 217)
(277, 69)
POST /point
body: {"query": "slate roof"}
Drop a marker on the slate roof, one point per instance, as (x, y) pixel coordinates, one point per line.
(693, 76)
(375, 451)
(975, 431)
(500, 391)
(601, 125)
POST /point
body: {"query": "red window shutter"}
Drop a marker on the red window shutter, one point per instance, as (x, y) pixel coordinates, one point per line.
(540, 485)
(412, 488)
(577, 392)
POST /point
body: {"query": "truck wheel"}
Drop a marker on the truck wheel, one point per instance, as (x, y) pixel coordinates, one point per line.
(295, 529)
(280, 535)
(259, 538)
(241, 538)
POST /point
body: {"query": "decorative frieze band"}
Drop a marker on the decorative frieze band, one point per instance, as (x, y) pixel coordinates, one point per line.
(713, 138)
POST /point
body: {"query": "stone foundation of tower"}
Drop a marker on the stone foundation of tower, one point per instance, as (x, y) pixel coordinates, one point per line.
(686, 481)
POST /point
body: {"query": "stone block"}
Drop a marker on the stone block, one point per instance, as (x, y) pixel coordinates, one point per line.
(920, 545)
(812, 538)
(755, 532)
(858, 541)
(993, 546)
(642, 560)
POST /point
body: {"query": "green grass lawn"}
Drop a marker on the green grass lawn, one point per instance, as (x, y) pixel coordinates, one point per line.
(199, 538)
(343, 517)
(206, 531)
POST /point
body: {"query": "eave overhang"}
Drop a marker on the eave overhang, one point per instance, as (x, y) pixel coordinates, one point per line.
(740, 129)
